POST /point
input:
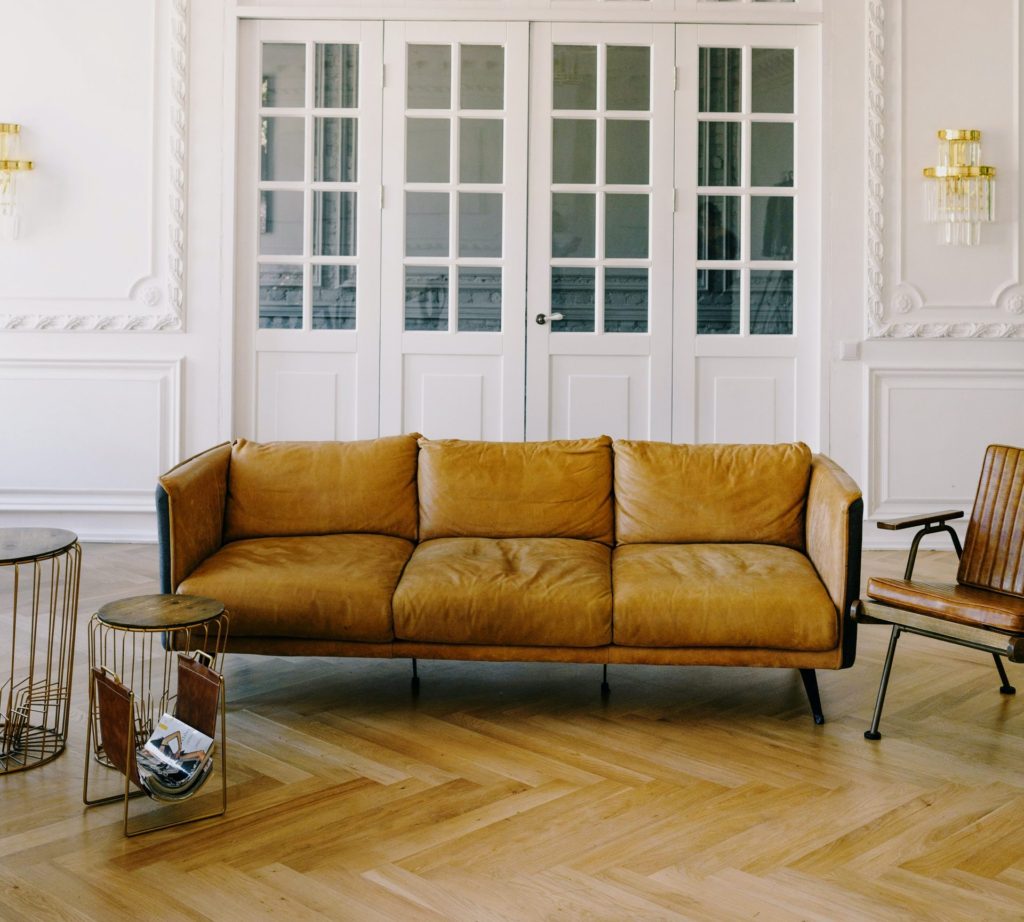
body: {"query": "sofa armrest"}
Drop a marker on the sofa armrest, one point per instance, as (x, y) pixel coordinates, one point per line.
(190, 513)
(835, 512)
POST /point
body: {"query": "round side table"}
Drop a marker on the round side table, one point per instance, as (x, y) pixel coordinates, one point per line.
(138, 640)
(39, 577)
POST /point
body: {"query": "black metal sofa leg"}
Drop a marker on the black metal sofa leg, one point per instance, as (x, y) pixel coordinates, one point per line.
(811, 687)
(873, 733)
(1007, 688)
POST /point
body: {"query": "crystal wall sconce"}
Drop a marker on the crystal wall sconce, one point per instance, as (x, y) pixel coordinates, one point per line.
(960, 191)
(10, 166)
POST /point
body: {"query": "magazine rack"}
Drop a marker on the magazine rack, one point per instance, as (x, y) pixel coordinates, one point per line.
(145, 656)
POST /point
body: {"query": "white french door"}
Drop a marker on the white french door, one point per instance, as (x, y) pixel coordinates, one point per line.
(308, 231)
(746, 355)
(599, 331)
(551, 230)
(454, 230)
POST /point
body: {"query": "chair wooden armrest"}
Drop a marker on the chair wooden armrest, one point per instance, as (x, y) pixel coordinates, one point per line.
(931, 523)
(920, 521)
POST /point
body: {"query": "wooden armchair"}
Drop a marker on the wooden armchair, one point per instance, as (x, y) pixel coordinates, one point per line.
(984, 608)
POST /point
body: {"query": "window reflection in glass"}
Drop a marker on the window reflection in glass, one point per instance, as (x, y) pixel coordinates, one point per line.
(280, 223)
(720, 79)
(480, 224)
(625, 300)
(771, 227)
(771, 153)
(771, 76)
(479, 300)
(572, 296)
(572, 224)
(718, 227)
(334, 149)
(334, 297)
(718, 154)
(480, 150)
(426, 298)
(428, 150)
(426, 223)
(629, 78)
(771, 301)
(284, 75)
(429, 77)
(282, 154)
(718, 301)
(334, 223)
(575, 77)
(626, 226)
(574, 150)
(337, 77)
(482, 81)
(627, 151)
(280, 297)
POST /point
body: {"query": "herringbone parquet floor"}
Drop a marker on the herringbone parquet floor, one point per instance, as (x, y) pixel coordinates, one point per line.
(513, 792)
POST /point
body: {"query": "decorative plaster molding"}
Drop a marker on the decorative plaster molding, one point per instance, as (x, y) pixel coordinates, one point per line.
(879, 325)
(875, 223)
(177, 203)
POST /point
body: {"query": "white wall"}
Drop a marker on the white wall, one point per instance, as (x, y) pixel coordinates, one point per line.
(115, 315)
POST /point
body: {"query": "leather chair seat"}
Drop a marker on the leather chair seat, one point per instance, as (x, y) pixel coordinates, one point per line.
(720, 595)
(951, 602)
(332, 587)
(521, 591)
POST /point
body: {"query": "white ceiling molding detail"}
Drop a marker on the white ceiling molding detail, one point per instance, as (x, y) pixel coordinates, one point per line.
(899, 309)
(161, 288)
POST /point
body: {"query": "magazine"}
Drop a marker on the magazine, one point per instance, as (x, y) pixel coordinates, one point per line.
(175, 760)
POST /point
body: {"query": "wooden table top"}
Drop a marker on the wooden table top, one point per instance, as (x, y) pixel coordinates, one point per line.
(159, 612)
(20, 544)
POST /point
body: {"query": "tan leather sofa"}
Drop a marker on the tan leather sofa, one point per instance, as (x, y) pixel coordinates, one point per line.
(587, 551)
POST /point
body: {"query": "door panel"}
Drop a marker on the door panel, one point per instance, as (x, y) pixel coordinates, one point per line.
(307, 330)
(747, 287)
(600, 313)
(454, 220)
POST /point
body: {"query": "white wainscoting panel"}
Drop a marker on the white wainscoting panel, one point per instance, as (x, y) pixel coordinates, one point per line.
(930, 430)
(305, 396)
(595, 395)
(745, 400)
(84, 442)
(598, 405)
(453, 396)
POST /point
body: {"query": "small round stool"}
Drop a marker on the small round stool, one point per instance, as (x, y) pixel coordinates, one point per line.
(39, 576)
(137, 641)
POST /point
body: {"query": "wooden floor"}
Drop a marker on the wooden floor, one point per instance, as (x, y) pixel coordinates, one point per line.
(513, 792)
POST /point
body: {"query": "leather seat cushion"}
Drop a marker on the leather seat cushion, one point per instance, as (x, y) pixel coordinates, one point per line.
(525, 591)
(335, 587)
(720, 595)
(951, 602)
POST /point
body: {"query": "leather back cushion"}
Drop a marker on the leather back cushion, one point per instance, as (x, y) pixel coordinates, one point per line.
(993, 555)
(558, 489)
(277, 489)
(679, 494)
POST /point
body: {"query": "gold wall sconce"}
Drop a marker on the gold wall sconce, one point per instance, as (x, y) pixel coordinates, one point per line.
(960, 191)
(10, 165)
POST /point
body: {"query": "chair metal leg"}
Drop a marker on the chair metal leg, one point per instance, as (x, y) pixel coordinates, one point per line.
(415, 678)
(811, 687)
(873, 733)
(606, 689)
(1007, 688)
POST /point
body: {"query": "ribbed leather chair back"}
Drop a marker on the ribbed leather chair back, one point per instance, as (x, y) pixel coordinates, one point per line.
(993, 555)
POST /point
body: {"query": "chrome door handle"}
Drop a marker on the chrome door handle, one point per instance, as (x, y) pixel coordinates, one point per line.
(544, 318)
